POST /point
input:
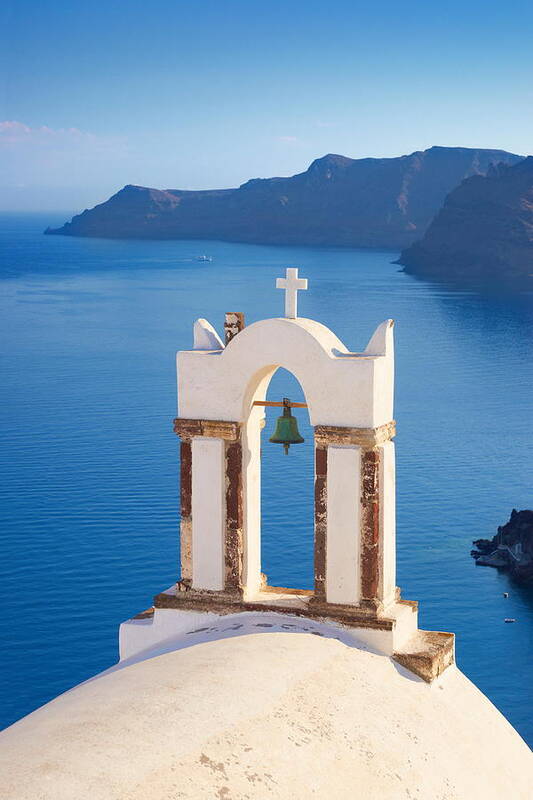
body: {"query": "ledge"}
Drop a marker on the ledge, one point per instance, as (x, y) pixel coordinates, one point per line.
(218, 429)
(273, 598)
(364, 437)
(427, 654)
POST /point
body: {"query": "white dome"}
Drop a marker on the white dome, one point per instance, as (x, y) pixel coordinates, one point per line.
(268, 715)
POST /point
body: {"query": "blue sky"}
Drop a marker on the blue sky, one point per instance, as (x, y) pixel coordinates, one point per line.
(209, 93)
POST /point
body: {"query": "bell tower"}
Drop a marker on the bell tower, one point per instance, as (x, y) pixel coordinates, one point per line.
(221, 396)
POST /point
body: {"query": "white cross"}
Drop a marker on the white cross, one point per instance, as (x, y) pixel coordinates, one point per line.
(292, 284)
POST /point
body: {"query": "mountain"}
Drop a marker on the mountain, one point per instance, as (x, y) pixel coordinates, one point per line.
(484, 230)
(367, 202)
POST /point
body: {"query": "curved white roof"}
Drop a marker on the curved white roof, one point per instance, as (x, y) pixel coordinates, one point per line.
(268, 715)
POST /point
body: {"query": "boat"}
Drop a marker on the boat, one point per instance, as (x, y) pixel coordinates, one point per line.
(204, 258)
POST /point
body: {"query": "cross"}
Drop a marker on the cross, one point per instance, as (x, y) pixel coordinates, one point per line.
(292, 284)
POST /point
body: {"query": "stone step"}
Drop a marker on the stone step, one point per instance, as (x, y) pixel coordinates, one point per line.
(427, 653)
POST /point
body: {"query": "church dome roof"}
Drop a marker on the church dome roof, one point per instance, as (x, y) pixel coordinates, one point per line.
(267, 715)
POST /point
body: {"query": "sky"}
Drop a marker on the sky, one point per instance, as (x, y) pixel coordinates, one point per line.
(209, 93)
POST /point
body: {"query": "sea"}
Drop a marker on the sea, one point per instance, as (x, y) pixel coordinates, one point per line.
(89, 469)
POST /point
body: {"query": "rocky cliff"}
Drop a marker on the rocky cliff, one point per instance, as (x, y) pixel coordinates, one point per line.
(369, 202)
(511, 548)
(483, 231)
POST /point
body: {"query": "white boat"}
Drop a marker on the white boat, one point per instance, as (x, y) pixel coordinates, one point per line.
(204, 258)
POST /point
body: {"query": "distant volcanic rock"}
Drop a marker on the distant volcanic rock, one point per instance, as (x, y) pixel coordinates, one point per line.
(368, 202)
(511, 548)
(484, 231)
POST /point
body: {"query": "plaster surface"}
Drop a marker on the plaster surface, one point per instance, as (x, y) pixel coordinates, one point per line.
(221, 384)
(343, 578)
(266, 715)
(205, 336)
(208, 513)
(172, 628)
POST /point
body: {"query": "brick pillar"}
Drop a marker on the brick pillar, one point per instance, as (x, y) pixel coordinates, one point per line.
(321, 521)
(186, 510)
(371, 556)
(233, 552)
(375, 570)
(232, 479)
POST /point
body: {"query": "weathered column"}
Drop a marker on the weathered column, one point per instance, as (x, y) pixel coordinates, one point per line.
(378, 519)
(371, 554)
(233, 563)
(186, 510)
(321, 519)
(354, 516)
(211, 504)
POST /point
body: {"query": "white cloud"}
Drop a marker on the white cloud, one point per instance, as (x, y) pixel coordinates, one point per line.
(35, 160)
(289, 139)
(13, 132)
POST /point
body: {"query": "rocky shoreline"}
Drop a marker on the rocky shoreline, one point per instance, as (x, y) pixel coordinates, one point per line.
(512, 547)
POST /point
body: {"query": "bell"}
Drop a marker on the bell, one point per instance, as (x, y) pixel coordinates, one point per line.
(286, 432)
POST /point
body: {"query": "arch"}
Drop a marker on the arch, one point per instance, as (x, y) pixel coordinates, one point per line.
(254, 418)
(222, 384)
(350, 402)
(349, 397)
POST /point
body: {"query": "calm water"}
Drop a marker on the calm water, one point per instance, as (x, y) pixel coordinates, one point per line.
(88, 492)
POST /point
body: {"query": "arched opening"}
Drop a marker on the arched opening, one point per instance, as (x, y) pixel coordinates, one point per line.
(278, 522)
(287, 510)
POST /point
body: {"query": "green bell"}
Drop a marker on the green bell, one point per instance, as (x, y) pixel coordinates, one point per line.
(286, 432)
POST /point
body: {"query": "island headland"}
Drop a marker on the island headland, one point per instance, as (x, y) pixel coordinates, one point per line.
(338, 201)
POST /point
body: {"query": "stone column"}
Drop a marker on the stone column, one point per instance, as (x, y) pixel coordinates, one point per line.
(211, 505)
(186, 510)
(321, 519)
(371, 555)
(354, 516)
(233, 574)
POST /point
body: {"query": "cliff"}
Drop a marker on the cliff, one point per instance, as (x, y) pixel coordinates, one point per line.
(483, 231)
(511, 548)
(369, 202)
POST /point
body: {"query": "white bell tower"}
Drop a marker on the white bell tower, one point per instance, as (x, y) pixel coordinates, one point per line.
(221, 392)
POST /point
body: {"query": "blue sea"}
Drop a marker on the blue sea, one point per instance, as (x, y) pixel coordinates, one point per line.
(89, 483)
